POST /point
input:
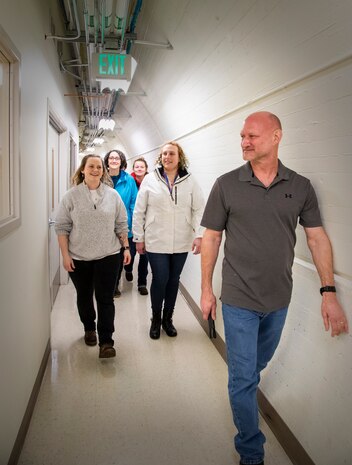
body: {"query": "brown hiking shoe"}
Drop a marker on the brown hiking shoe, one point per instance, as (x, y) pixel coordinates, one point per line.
(107, 351)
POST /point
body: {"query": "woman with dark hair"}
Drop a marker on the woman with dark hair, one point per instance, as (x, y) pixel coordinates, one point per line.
(116, 164)
(91, 225)
(139, 170)
(166, 226)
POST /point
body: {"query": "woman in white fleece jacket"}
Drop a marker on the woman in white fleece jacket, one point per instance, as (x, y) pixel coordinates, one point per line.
(91, 225)
(166, 226)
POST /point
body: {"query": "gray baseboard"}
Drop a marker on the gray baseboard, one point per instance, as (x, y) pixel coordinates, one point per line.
(283, 434)
(21, 436)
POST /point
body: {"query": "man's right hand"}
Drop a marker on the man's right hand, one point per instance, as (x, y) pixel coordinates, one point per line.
(208, 304)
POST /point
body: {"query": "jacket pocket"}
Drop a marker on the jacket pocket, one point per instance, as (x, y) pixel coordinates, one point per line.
(189, 221)
(149, 220)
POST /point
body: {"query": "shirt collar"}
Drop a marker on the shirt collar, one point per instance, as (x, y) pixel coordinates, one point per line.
(246, 173)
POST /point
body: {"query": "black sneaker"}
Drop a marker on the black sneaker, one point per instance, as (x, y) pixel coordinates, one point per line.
(117, 293)
(143, 290)
(129, 275)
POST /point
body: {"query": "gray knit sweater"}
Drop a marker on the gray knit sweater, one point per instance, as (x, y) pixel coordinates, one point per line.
(92, 228)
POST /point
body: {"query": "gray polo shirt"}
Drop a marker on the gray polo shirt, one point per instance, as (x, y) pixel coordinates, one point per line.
(259, 226)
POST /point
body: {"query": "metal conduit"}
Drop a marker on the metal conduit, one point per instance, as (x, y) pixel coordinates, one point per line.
(49, 36)
(124, 23)
(133, 22)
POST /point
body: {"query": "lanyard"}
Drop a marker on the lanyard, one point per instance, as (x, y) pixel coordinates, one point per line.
(167, 181)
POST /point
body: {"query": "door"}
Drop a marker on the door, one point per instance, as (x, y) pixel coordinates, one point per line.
(53, 201)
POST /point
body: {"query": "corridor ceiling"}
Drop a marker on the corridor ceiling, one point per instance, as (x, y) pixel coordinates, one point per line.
(83, 28)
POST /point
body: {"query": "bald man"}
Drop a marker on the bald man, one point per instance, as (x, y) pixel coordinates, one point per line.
(258, 206)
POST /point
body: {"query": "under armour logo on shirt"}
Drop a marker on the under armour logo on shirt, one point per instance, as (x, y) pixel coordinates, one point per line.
(288, 196)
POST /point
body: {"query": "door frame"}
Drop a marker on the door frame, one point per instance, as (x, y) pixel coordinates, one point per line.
(56, 122)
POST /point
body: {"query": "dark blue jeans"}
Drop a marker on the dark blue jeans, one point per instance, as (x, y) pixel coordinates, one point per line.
(142, 264)
(251, 340)
(166, 271)
(97, 277)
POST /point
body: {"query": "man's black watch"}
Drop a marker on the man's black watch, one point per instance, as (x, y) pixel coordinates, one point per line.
(327, 289)
(127, 247)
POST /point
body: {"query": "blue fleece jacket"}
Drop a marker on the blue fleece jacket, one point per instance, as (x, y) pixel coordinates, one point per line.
(125, 185)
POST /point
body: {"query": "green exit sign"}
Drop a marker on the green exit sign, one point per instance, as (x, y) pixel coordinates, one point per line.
(106, 65)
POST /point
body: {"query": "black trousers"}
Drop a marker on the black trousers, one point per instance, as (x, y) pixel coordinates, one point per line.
(142, 264)
(97, 277)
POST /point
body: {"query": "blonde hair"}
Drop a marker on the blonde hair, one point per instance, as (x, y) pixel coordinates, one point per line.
(183, 161)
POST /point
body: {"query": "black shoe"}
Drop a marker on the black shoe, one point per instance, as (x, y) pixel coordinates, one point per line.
(90, 338)
(117, 293)
(143, 290)
(169, 328)
(154, 332)
(129, 275)
(167, 325)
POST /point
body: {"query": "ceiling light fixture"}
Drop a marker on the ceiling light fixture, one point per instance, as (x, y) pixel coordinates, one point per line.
(106, 124)
(98, 141)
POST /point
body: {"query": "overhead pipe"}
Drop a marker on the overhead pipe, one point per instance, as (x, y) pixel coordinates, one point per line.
(110, 7)
(69, 72)
(49, 36)
(69, 38)
(153, 44)
(96, 22)
(87, 91)
(102, 27)
(86, 28)
(136, 11)
(124, 21)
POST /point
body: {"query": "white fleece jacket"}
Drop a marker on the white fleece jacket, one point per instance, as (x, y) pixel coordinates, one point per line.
(168, 222)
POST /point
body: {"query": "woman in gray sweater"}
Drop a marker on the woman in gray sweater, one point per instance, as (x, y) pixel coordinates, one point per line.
(91, 225)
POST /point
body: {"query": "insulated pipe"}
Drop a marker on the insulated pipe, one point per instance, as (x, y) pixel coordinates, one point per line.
(134, 22)
(102, 27)
(124, 22)
(86, 26)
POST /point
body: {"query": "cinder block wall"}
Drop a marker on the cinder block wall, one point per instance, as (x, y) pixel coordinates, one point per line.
(294, 59)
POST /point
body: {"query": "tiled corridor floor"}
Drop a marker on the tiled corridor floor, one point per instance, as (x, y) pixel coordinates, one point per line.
(158, 402)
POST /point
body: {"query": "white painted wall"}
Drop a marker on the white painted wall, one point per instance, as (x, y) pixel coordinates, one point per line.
(24, 283)
(294, 59)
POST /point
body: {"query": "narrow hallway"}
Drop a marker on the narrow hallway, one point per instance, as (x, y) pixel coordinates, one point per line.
(159, 402)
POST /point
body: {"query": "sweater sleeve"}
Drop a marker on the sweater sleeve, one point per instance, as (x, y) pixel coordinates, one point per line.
(63, 220)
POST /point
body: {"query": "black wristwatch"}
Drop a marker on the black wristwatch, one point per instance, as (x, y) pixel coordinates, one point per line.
(127, 247)
(327, 289)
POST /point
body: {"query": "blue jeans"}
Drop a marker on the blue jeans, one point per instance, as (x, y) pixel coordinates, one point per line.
(251, 340)
(166, 271)
(142, 264)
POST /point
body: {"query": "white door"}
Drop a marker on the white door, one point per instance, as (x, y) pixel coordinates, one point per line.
(53, 201)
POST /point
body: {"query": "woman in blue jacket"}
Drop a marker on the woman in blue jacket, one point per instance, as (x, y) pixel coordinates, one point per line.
(124, 184)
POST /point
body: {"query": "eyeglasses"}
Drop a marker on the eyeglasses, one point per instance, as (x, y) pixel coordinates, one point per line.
(114, 158)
